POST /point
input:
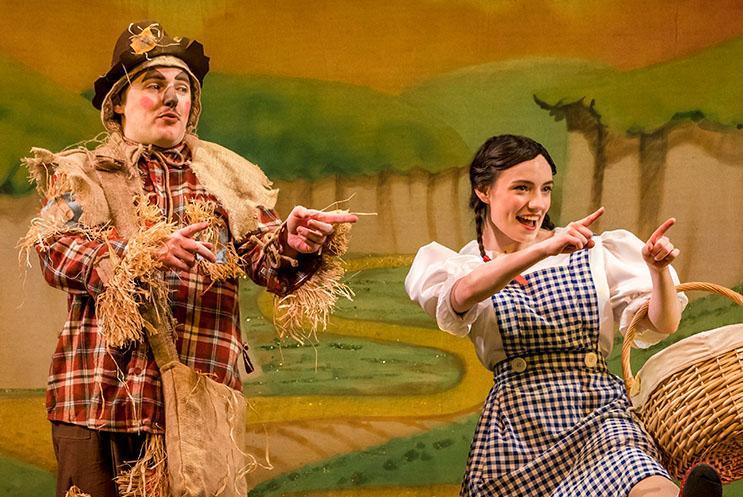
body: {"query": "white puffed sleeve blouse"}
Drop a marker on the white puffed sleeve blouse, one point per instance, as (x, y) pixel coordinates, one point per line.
(620, 276)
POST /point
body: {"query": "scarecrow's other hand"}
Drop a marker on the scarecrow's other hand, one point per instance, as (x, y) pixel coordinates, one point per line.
(180, 249)
(307, 230)
(658, 251)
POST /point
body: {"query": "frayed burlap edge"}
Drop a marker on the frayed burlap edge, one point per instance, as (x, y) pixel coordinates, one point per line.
(54, 175)
(149, 475)
(203, 211)
(42, 166)
(136, 279)
(305, 312)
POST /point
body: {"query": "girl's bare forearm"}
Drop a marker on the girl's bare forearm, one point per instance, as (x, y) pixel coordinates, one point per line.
(492, 277)
(664, 310)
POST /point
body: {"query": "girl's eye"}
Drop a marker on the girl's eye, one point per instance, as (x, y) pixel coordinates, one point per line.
(521, 188)
(547, 188)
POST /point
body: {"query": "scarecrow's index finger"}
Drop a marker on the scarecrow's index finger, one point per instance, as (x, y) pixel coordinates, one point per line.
(589, 219)
(334, 218)
(662, 230)
(192, 229)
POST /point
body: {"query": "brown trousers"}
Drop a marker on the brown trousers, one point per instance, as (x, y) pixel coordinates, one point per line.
(91, 459)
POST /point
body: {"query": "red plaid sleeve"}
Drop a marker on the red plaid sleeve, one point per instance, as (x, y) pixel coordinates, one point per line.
(280, 280)
(69, 261)
(76, 265)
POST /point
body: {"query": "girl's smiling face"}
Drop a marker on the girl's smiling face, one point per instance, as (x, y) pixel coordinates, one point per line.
(517, 202)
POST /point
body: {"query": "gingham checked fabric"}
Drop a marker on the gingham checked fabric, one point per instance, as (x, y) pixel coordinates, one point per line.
(555, 425)
(119, 389)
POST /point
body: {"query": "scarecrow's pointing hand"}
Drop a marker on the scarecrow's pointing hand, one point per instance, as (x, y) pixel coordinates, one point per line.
(180, 249)
(309, 229)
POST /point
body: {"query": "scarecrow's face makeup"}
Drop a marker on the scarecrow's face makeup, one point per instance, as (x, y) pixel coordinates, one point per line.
(518, 201)
(156, 106)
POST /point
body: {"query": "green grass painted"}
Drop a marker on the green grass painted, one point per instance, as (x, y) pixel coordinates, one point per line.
(706, 85)
(344, 366)
(34, 112)
(435, 457)
(340, 365)
(383, 289)
(299, 128)
(489, 99)
(18, 479)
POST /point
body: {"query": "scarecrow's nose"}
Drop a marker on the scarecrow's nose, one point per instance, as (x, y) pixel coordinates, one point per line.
(170, 98)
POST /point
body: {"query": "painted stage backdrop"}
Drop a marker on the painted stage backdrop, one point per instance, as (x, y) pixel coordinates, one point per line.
(639, 102)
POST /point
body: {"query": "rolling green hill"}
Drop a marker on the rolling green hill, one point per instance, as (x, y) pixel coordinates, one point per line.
(706, 86)
(491, 99)
(293, 128)
(298, 128)
(36, 112)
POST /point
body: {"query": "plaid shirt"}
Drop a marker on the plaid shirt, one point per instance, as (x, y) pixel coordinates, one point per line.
(120, 389)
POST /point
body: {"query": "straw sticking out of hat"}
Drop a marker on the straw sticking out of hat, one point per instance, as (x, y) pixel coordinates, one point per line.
(143, 41)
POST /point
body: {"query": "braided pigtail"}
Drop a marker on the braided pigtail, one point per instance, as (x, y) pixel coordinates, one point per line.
(480, 212)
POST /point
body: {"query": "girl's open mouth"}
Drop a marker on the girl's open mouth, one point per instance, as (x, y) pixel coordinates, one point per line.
(528, 222)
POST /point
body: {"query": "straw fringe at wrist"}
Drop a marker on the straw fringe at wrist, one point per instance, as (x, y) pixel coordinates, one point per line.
(136, 279)
(203, 211)
(305, 312)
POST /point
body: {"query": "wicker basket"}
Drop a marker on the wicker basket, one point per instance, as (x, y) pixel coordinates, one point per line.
(695, 414)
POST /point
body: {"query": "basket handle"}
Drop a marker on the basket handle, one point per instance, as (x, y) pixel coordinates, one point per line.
(629, 336)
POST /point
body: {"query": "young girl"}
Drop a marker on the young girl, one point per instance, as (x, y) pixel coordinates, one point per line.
(540, 305)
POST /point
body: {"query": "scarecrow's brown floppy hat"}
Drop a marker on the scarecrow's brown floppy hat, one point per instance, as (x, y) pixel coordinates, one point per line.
(143, 41)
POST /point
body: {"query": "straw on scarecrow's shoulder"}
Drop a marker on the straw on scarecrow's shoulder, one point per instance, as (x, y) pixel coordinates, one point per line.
(67, 177)
(73, 177)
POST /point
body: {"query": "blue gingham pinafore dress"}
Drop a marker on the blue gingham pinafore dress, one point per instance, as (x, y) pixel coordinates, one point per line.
(556, 422)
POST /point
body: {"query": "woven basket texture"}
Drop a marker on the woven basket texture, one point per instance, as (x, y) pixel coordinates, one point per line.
(696, 414)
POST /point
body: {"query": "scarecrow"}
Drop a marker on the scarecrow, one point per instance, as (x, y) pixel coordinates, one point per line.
(148, 233)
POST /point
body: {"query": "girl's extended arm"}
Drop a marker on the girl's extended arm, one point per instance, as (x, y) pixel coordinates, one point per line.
(493, 276)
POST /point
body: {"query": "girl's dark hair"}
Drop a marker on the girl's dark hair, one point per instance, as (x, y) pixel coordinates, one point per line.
(495, 155)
